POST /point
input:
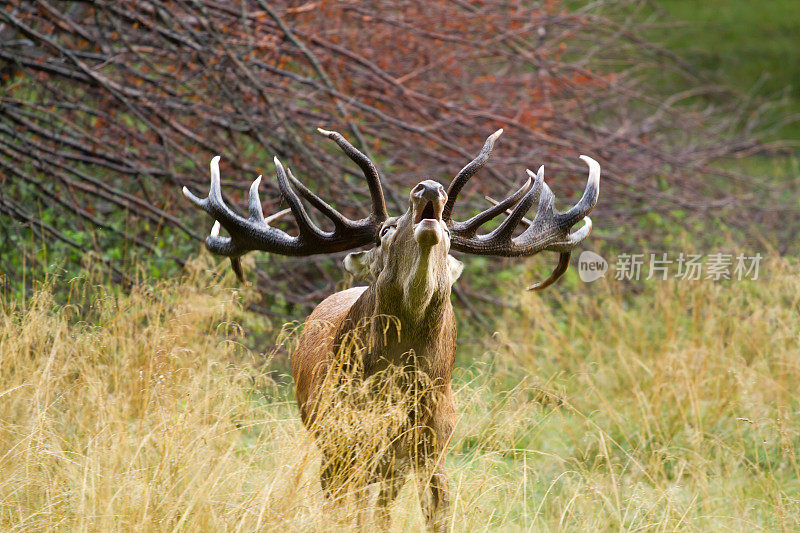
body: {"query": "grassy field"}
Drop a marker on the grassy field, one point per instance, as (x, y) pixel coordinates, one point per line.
(674, 408)
(749, 46)
(663, 406)
(740, 40)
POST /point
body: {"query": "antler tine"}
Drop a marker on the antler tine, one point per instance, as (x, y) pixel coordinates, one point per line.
(548, 230)
(337, 218)
(525, 222)
(561, 268)
(379, 212)
(506, 229)
(277, 216)
(466, 173)
(215, 206)
(254, 202)
(304, 222)
(255, 232)
(589, 198)
(471, 226)
(563, 257)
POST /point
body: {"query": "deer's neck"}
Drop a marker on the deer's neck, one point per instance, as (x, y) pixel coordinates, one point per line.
(404, 329)
(418, 290)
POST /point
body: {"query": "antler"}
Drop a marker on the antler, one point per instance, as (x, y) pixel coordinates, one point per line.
(549, 229)
(255, 232)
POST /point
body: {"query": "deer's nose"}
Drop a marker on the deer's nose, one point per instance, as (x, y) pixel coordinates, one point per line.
(428, 190)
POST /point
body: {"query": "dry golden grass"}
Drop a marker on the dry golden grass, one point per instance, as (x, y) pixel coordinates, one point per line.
(676, 408)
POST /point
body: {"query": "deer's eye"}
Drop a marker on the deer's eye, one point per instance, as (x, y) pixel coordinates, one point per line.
(384, 231)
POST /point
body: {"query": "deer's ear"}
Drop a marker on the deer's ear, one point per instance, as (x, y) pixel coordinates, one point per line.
(358, 264)
(455, 267)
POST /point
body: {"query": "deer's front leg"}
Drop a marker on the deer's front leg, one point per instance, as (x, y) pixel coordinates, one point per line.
(435, 499)
(390, 488)
(434, 495)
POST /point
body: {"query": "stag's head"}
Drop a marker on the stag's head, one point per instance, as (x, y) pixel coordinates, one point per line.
(411, 255)
(411, 251)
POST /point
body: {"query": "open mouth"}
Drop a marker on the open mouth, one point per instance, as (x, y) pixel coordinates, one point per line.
(428, 213)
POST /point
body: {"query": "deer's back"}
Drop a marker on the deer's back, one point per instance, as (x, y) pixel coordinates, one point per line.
(315, 346)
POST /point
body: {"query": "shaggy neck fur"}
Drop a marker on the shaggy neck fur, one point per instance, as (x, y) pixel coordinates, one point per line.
(420, 286)
(408, 308)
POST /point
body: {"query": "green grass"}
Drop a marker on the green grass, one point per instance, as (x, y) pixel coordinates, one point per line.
(670, 407)
(743, 43)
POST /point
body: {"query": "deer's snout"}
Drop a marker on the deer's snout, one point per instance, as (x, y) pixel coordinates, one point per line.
(429, 190)
(427, 201)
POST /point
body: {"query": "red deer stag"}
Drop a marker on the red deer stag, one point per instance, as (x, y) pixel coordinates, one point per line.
(411, 273)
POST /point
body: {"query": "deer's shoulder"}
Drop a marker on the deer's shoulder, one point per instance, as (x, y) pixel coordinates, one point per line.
(336, 304)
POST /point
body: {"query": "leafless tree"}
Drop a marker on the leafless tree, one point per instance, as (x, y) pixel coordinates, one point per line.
(109, 107)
